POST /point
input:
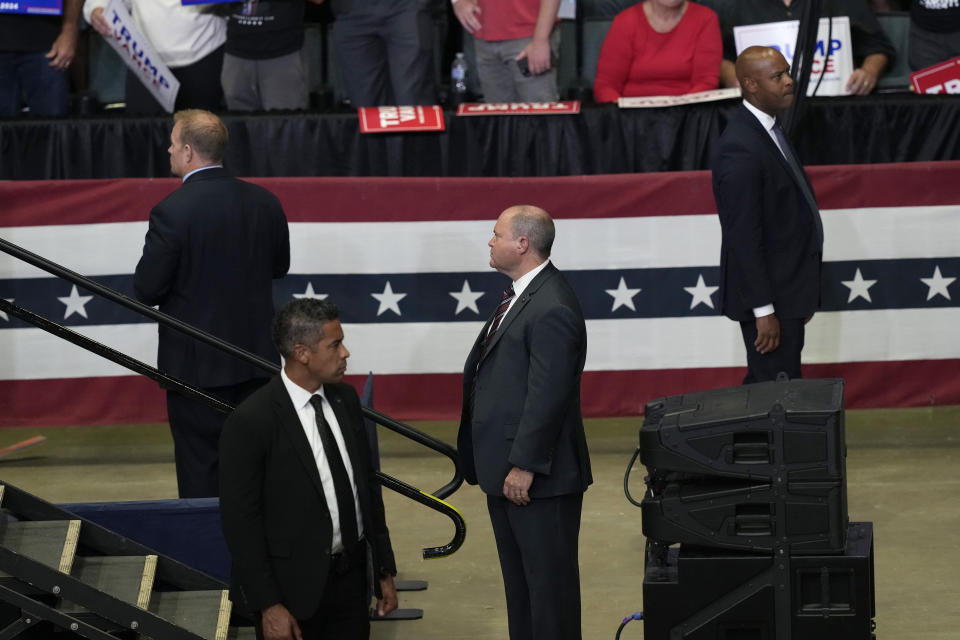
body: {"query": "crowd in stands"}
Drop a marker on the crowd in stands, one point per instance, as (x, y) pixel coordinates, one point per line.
(251, 56)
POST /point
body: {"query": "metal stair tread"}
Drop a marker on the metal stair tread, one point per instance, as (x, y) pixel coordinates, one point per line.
(205, 613)
(52, 542)
(241, 633)
(127, 578)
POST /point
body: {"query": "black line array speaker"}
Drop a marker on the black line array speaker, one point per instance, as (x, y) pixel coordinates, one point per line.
(710, 594)
(751, 482)
(748, 467)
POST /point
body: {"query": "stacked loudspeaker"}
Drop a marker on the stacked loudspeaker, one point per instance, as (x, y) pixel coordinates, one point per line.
(745, 517)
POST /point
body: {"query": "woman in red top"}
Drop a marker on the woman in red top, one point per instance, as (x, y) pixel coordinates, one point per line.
(659, 48)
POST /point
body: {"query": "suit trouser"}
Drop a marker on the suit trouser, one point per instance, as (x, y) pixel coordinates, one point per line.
(538, 557)
(785, 358)
(196, 437)
(386, 50)
(343, 611)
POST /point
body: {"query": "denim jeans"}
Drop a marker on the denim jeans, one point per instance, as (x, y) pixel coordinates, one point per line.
(26, 77)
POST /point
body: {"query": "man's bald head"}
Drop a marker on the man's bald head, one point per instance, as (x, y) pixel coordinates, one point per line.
(764, 77)
(752, 59)
(534, 223)
(522, 239)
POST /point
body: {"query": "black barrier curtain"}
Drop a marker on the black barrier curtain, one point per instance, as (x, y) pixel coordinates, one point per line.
(599, 140)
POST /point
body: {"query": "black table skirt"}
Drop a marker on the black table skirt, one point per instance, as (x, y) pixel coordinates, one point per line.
(601, 139)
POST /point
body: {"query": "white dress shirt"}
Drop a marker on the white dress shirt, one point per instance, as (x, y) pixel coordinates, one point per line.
(768, 122)
(180, 34)
(308, 419)
(212, 166)
(524, 281)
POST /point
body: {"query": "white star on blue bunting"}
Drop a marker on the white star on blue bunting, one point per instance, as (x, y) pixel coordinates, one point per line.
(75, 303)
(466, 299)
(623, 296)
(937, 284)
(701, 293)
(859, 288)
(389, 301)
(309, 293)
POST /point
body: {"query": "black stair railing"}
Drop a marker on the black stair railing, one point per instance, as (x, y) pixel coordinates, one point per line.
(433, 500)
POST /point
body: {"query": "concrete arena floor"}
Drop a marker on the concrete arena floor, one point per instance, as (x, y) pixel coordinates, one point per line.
(902, 474)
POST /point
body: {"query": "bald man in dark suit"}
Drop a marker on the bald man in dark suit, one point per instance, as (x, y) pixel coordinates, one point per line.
(521, 431)
(772, 242)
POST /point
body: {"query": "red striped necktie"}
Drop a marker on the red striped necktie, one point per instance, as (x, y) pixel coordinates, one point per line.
(505, 300)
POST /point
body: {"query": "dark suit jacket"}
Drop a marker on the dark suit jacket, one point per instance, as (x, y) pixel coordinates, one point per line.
(526, 411)
(770, 251)
(274, 513)
(212, 251)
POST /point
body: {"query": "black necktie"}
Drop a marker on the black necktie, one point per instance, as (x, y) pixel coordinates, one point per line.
(801, 179)
(341, 481)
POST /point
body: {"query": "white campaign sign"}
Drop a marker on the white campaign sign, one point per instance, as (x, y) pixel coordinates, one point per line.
(713, 95)
(140, 55)
(782, 36)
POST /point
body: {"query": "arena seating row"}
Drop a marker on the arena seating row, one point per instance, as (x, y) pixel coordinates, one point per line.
(107, 71)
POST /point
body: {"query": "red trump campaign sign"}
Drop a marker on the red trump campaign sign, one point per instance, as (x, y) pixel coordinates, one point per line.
(383, 119)
(940, 78)
(518, 108)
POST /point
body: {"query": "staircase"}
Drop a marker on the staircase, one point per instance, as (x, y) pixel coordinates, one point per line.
(84, 579)
(63, 570)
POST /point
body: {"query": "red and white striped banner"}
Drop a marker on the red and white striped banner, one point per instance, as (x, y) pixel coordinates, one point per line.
(407, 262)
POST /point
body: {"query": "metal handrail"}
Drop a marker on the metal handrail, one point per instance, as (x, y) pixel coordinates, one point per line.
(112, 355)
(429, 500)
(134, 305)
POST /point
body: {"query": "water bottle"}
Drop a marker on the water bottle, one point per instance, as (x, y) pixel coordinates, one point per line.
(458, 78)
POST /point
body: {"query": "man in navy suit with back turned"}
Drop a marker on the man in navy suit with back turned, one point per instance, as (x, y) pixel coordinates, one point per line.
(521, 431)
(212, 251)
(772, 247)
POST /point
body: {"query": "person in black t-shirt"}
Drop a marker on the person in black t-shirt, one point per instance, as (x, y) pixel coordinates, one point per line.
(934, 32)
(872, 49)
(35, 52)
(264, 66)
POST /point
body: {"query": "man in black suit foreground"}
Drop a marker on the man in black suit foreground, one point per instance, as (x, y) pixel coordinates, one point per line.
(772, 246)
(300, 505)
(212, 249)
(521, 433)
